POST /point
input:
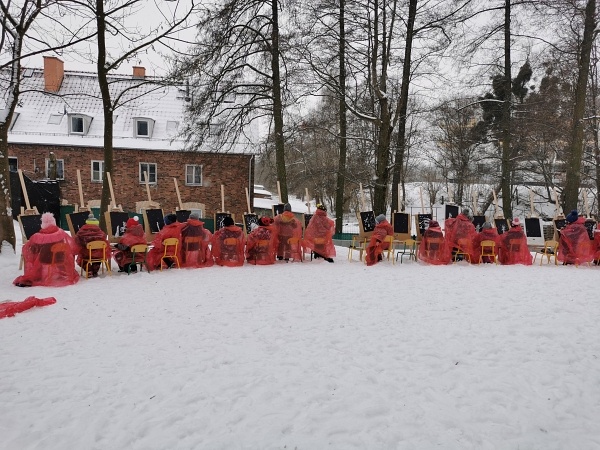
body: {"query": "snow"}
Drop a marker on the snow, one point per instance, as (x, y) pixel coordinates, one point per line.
(305, 355)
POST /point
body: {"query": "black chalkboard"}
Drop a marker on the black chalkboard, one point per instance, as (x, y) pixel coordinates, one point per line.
(401, 223)
(183, 215)
(533, 227)
(76, 220)
(30, 225)
(219, 217)
(153, 220)
(423, 222)
(590, 226)
(501, 225)
(478, 221)
(367, 221)
(559, 224)
(450, 211)
(278, 209)
(249, 219)
(307, 218)
(115, 223)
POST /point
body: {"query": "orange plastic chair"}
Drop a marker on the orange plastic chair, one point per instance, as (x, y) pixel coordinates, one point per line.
(294, 249)
(261, 249)
(170, 245)
(91, 246)
(462, 249)
(488, 249)
(550, 249)
(433, 246)
(59, 253)
(194, 242)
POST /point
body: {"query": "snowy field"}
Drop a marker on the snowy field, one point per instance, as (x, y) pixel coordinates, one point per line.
(305, 356)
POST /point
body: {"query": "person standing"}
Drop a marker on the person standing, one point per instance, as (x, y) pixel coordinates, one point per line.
(318, 235)
(287, 227)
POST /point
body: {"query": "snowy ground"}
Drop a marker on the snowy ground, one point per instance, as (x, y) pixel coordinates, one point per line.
(306, 356)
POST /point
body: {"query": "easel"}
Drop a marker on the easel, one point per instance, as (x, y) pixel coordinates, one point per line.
(220, 215)
(29, 211)
(307, 200)
(148, 204)
(81, 208)
(360, 242)
(497, 214)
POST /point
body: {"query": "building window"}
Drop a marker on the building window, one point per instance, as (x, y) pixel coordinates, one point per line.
(13, 164)
(79, 123)
(60, 169)
(143, 127)
(193, 175)
(55, 119)
(97, 171)
(150, 169)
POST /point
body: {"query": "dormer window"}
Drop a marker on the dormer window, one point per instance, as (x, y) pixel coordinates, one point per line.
(79, 124)
(143, 127)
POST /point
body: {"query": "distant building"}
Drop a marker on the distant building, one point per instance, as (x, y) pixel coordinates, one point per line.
(60, 113)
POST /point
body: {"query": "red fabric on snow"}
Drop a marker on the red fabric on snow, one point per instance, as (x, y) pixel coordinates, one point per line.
(320, 227)
(575, 245)
(38, 256)
(9, 309)
(287, 226)
(228, 255)
(173, 230)
(376, 244)
(521, 255)
(196, 255)
(256, 254)
(437, 253)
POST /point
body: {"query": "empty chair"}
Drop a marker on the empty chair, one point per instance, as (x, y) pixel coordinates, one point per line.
(409, 249)
(549, 250)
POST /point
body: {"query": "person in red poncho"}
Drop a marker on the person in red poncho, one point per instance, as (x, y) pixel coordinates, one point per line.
(462, 229)
(377, 242)
(433, 248)
(172, 229)
(37, 255)
(134, 234)
(287, 226)
(260, 245)
(318, 235)
(228, 253)
(575, 245)
(195, 254)
(513, 246)
(91, 231)
(597, 247)
(488, 233)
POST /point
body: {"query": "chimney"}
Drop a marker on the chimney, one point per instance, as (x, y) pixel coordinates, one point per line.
(139, 72)
(54, 71)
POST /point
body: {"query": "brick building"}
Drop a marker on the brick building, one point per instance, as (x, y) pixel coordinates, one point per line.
(60, 116)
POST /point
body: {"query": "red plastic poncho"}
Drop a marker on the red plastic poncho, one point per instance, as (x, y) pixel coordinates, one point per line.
(597, 246)
(487, 234)
(320, 228)
(376, 244)
(513, 247)
(226, 254)
(133, 236)
(575, 245)
(9, 309)
(173, 230)
(87, 234)
(461, 228)
(257, 253)
(287, 226)
(38, 256)
(433, 248)
(196, 255)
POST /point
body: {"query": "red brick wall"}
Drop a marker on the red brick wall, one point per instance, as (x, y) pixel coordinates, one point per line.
(235, 172)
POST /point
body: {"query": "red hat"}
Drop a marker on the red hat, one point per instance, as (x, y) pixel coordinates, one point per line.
(265, 221)
(132, 222)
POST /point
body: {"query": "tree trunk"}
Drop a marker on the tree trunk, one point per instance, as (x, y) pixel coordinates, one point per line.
(277, 104)
(341, 175)
(506, 164)
(398, 174)
(382, 159)
(573, 172)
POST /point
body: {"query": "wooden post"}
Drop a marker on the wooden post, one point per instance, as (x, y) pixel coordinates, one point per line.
(279, 190)
(147, 186)
(80, 188)
(556, 202)
(362, 198)
(475, 203)
(585, 203)
(248, 200)
(422, 202)
(223, 198)
(28, 209)
(112, 192)
(178, 194)
(495, 204)
(307, 200)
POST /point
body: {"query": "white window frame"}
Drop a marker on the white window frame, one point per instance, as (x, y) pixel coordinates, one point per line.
(100, 171)
(85, 121)
(60, 168)
(152, 177)
(149, 123)
(193, 167)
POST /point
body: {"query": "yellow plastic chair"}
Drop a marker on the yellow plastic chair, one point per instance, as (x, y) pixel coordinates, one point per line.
(390, 250)
(433, 246)
(549, 250)
(136, 251)
(359, 244)
(91, 246)
(170, 245)
(488, 249)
